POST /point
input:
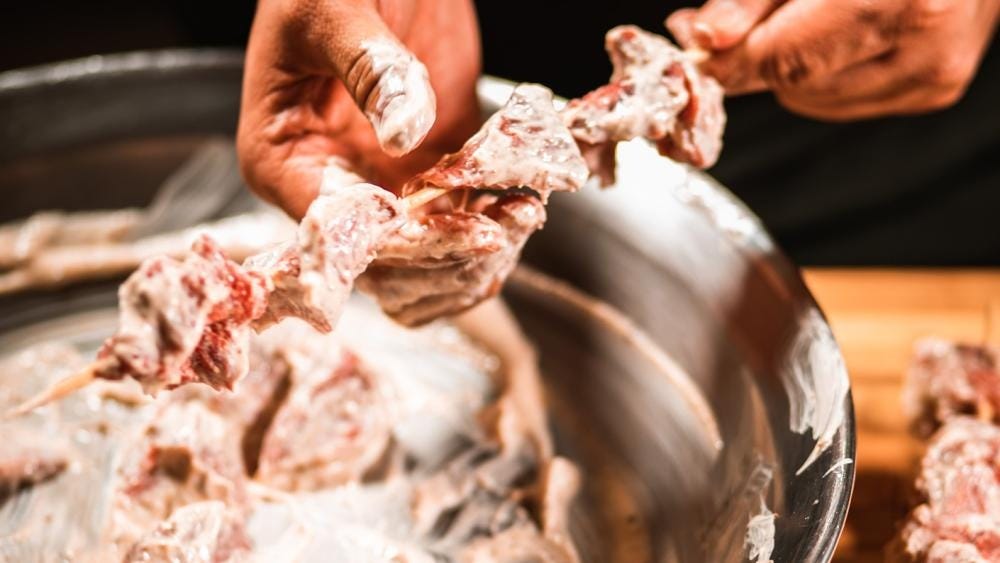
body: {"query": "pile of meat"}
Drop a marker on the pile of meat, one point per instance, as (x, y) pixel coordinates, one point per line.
(427, 450)
(953, 392)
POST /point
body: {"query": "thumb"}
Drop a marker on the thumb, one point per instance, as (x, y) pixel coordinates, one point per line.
(351, 41)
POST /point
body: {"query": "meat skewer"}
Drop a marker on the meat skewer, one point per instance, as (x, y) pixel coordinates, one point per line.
(656, 92)
(199, 333)
(209, 344)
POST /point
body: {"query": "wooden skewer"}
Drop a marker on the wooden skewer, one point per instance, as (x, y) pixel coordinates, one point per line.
(423, 197)
(697, 55)
(58, 390)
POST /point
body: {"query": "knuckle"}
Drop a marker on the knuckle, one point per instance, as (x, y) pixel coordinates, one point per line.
(788, 67)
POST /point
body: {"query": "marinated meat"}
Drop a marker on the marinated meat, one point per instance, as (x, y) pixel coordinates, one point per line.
(186, 454)
(337, 239)
(332, 428)
(696, 137)
(471, 497)
(474, 508)
(184, 321)
(202, 532)
(959, 482)
(524, 144)
(440, 239)
(946, 379)
(189, 321)
(655, 92)
(414, 296)
(361, 444)
(645, 94)
(255, 399)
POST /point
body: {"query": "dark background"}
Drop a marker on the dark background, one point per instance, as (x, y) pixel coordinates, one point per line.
(921, 190)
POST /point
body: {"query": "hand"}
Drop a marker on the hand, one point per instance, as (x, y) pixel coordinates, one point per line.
(843, 59)
(318, 94)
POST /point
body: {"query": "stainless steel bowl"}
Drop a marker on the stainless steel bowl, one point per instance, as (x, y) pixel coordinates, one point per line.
(706, 393)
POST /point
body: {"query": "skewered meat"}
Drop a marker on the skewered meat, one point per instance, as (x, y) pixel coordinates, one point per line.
(426, 291)
(331, 430)
(959, 481)
(183, 321)
(441, 239)
(444, 263)
(187, 321)
(697, 134)
(655, 92)
(645, 94)
(202, 532)
(177, 326)
(336, 241)
(946, 379)
(524, 144)
(180, 325)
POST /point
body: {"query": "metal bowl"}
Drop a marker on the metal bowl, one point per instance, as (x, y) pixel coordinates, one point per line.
(702, 395)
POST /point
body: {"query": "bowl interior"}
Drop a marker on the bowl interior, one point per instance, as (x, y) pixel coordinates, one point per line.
(688, 422)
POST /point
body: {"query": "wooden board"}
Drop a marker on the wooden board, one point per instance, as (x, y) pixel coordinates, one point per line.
(877, 315)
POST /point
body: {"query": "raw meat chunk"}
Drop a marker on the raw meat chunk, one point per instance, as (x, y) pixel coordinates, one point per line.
(959, 482)
(524, 144)
(203, 532)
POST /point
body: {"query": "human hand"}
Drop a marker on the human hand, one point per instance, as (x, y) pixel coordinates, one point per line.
(339, 84)
(843, 59)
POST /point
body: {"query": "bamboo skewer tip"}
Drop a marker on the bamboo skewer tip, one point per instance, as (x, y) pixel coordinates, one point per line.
(57, 391)
(697, 55)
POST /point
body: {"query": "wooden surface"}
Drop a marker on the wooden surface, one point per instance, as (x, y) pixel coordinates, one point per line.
(876, 316)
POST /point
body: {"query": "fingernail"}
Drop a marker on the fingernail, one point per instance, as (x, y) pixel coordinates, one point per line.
(703, 35)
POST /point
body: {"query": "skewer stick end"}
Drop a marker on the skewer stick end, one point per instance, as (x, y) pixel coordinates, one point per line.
(423, 197)
(697, 55)
(57, 391)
